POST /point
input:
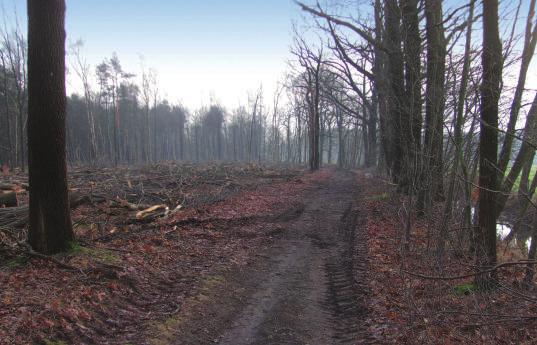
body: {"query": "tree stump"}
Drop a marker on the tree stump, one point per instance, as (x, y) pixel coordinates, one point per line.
(8, 199)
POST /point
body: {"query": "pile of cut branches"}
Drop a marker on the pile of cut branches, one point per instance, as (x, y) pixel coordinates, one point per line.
(123, 284)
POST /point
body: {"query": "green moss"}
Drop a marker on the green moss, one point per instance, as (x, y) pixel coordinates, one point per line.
(166, 330)
(379, 196)
(75, 248)
(102, 254)
(465, 289)
(212, 282)
(17, 262)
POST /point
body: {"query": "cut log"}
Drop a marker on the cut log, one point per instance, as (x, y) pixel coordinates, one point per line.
(13, 187)
(142, 214)
(8, 199)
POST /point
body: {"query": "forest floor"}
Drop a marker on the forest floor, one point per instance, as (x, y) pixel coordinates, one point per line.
(413, 302)
(273, 245)
(256, 254)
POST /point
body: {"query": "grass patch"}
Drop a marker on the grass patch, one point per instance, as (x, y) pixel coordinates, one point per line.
(19, 261)
(75, 248)
(104, 255)
(465, 289)
(381, 196)
(166, 331)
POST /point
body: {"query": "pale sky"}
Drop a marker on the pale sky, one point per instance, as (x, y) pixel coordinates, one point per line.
(199, 48)
(202, 49)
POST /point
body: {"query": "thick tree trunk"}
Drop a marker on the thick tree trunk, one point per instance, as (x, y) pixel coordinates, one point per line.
(372, 134)
(380, 89)
(398, 118)
(369, 126)
(434, 105)
(314, 116)
(50, 221)
(488, 145)
(412, 106)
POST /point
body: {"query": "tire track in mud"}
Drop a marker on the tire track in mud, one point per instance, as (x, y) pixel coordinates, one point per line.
(345, 297)
(308, 288)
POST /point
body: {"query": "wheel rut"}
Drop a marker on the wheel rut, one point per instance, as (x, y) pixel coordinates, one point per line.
(307, 289)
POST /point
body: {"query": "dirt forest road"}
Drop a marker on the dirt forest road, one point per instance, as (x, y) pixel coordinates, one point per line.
(306, 289)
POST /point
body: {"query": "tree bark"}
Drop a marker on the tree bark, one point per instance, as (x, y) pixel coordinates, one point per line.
(50, 220)
(412, 50)
(530, 268)
(488, 145)
(434, 104)
(379, 93)
(397, 118)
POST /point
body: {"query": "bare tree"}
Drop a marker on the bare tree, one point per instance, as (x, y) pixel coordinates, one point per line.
(530, 41)
(82, 69)
(311, 61)
(16, 56)
(148, 82)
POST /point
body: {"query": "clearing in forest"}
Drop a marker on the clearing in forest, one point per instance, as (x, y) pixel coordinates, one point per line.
(258, 253)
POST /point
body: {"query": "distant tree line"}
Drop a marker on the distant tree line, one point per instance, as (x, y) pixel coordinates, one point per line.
(121, 119)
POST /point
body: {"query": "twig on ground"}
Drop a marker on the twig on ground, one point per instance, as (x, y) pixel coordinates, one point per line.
(492, 269)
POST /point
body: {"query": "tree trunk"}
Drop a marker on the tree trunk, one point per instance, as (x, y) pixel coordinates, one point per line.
(341, 139)
(379, 91)
(488, 145)
(434, 105)
(412, 106)
(50, 220)
(530, 268)
(396, 98)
